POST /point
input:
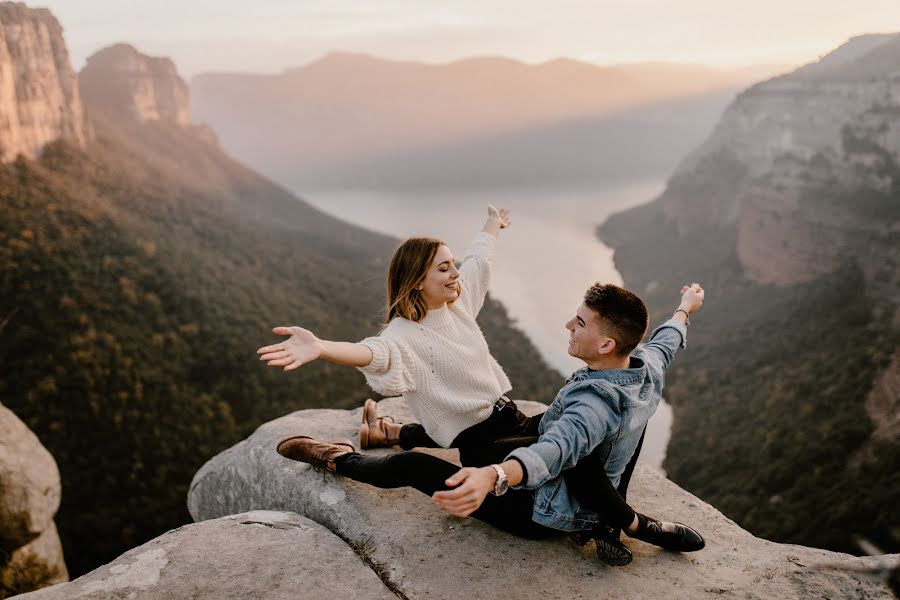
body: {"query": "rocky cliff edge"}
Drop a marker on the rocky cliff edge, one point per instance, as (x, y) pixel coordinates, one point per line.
(364, 542)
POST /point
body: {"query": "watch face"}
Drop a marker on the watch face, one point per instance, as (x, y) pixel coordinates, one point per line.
(501, 487)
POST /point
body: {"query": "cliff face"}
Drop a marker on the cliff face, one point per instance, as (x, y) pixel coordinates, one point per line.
(120, 81)
(39, 99)
(793, 145)
(789, 214)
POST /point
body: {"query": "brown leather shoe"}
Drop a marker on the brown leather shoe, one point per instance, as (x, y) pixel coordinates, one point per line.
(374, 431)
(320, 455)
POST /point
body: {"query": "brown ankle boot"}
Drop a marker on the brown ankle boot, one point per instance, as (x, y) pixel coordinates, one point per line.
(375, 432)
(320, 455)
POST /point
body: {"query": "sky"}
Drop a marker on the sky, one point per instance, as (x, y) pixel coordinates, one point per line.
(272, 35)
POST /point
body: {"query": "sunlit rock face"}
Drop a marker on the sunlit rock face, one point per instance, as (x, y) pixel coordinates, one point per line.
(121, 82)
(39, 98)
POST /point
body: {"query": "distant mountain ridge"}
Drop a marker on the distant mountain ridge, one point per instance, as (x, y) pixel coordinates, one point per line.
(140, 272)
(353, 120)
(790, 214)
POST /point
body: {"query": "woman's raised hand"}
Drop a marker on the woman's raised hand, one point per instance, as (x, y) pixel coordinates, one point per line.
(501, 215)
(302, 347)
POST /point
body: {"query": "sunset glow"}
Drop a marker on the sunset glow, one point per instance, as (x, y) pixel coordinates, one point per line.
(202, 35)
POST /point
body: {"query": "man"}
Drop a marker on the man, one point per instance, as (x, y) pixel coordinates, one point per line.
(586, 438)
(598, 418)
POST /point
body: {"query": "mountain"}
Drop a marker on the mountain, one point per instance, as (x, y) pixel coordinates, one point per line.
(142, 267)
(635, 144)
(354, 120)
(786, 411)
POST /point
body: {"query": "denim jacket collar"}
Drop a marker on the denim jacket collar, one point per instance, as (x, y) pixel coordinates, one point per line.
(635, 372)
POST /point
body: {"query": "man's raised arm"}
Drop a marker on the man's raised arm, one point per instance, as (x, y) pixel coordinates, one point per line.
(669, 336)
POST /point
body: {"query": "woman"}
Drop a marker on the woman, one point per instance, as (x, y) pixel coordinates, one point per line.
(432, 351)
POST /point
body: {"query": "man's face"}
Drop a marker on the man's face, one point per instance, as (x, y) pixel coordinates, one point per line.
(586, 339)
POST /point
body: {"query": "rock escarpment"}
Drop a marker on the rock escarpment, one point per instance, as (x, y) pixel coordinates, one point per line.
(784, 158)
(30, 550)
(39, 98)
(424, 553)
(118, 81)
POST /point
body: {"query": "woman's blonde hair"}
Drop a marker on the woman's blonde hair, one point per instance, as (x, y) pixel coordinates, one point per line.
(409, 266)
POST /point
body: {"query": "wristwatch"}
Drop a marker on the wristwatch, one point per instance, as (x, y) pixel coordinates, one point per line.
(502, 484)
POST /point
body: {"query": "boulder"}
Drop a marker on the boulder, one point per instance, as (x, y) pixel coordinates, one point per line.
(29, 484)
(258, 554)
(422, 552)
(31, 553)
(35, 565)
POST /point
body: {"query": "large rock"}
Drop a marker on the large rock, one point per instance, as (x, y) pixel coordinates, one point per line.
(426, 553)
(260, 554)
(29, 483)
(31, 553)
(35, 565)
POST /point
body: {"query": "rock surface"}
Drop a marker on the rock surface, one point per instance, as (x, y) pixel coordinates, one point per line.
(35, 565)
(259, 554)
(427, 554)
(29, 483)
(29, 498)
(790, 165)
(120, 82)
(39, 99)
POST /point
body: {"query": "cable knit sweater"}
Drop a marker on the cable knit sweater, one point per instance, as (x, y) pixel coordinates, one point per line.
(442, 364)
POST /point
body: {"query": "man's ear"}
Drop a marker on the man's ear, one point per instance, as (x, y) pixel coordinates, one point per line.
(608, 346)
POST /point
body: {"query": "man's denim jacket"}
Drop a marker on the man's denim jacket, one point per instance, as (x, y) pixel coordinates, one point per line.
(605, 410)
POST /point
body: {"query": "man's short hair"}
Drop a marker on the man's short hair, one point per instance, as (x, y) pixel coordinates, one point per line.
(621, 315)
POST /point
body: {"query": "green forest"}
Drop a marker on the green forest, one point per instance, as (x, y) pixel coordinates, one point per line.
(139, 276)
(770, 424)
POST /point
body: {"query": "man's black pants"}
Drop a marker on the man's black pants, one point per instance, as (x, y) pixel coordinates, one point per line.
(487, 443)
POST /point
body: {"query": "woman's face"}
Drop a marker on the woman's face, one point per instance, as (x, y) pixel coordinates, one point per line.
(440, 285)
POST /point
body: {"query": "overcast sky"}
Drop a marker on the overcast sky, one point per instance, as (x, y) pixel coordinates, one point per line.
(271, 35)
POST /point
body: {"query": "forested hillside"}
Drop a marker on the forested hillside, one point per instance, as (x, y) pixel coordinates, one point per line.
(139, 277)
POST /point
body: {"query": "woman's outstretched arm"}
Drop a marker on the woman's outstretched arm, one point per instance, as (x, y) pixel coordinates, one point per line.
(303, 346)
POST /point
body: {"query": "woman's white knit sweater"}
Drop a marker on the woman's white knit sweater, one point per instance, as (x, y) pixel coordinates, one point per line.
(442, 364)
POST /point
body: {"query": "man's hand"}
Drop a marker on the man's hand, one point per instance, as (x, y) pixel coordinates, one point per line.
(473, 485)
(691, 298)
(302, 347)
